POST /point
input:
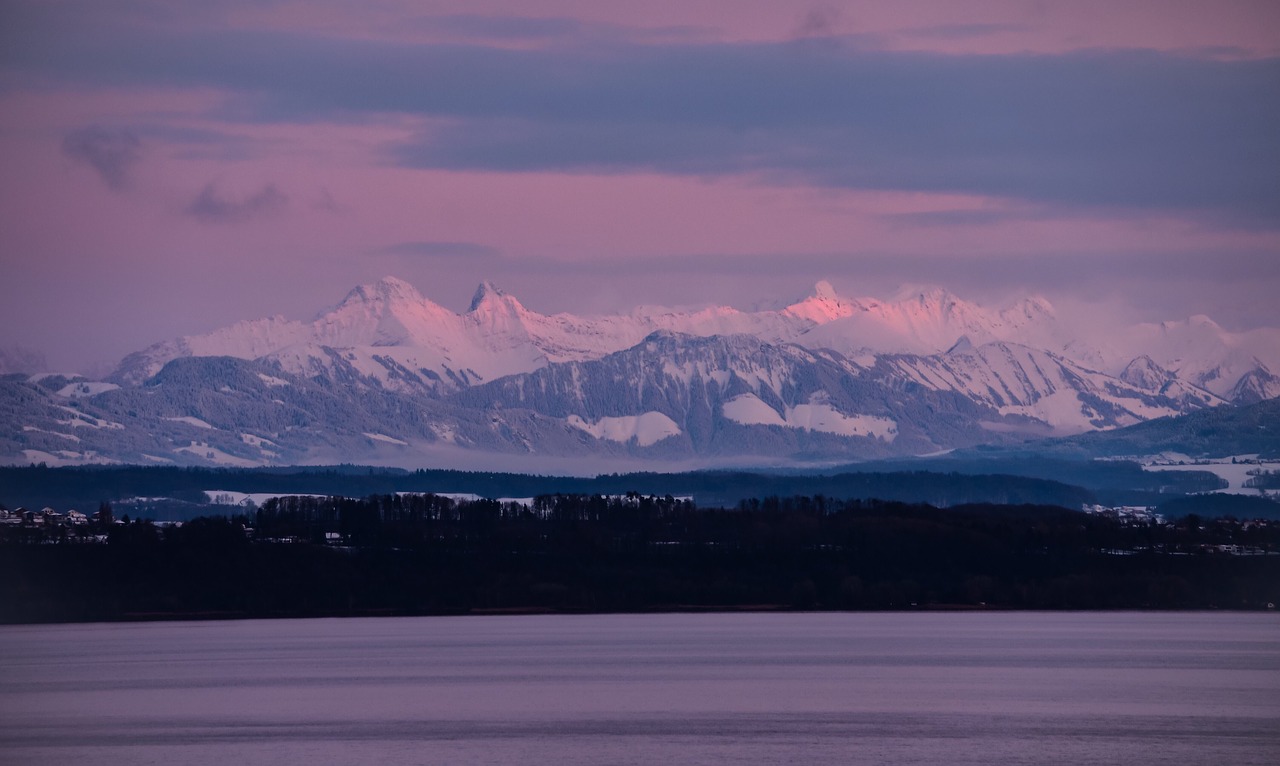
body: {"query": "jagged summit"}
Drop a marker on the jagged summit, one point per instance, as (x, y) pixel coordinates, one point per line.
(387, 369)
(387, 289)
(490, 303)
(387, 332)
(487, 292)
(1144, 373)
(1256, 385)
(498, 321)
(1036, 304)
(824, 305)
(960, 346)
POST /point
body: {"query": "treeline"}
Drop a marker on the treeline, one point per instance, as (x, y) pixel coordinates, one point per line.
(86, 487)
(432, 555)
(1221, 505)
(428, 520)
(1264, 479)
(1114, 482)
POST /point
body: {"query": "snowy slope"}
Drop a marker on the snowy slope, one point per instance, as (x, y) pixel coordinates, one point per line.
(1200, 352)
(384, 332)
(671, 396)
(388, 332)
(1018, 380)
(929, 321)
(681, 394)
(1020, 359)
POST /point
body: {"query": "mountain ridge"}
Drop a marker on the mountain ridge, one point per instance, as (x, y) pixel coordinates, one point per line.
(499, 336)
(388, 373)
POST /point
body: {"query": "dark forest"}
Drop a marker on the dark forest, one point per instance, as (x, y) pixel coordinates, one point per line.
(428, 554)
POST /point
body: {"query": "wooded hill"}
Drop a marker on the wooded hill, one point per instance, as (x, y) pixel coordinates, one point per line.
(431, 555)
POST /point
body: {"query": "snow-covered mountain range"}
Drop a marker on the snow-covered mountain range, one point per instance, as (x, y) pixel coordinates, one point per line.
(387, 375)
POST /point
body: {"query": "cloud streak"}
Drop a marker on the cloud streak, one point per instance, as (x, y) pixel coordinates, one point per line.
(1092, 130)
(111, 152)
(211, 206)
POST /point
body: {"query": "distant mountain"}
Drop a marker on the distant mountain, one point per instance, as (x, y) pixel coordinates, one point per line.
(387, 376)
(677, 395)
(385, 334)
(1200, 353)
(1216, 432)
(388, 333)
(929, 321)
(199, 410)
(1256, 385)
(1044, 387)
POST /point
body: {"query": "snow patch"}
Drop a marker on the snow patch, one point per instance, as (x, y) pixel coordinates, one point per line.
(387, 439)
(233, 497)
(217, 456)
(827, 419)
(256, 441)
(647, 429)
(1235, 474)
(271, 381)
(1062, 410)
(81, 420)
(749, 410)
(191, 421)
(86, 388)
(66, 457)
(72, 437)
(444, 432)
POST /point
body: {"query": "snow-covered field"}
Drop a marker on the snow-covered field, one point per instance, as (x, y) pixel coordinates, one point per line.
(1236, 474)
(191, 421)
(86, 388)
(217, 456)
(232, 497)
(387, 439)
(647, 429)
(749, 409)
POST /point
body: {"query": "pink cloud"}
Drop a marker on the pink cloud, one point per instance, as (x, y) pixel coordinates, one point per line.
(319, 202)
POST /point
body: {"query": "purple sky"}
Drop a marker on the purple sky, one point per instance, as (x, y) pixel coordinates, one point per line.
(171, 166)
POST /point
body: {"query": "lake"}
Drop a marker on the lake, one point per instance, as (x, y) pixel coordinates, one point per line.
(916, 688)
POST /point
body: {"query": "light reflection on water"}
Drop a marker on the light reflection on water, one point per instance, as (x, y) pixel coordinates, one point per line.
(1139, 688)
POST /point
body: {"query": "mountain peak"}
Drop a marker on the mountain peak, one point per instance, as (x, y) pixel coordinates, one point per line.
(500, 316)
(821, 307)
(1144, 373)
(922, 294)
(487, 292)
(1255, 386)
(387, 289)
(1033, 307)
(1196, 322)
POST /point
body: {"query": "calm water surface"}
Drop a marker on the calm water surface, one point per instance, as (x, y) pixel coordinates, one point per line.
(1002, 688)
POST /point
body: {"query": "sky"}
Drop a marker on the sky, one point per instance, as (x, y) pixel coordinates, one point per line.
(168, 167)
